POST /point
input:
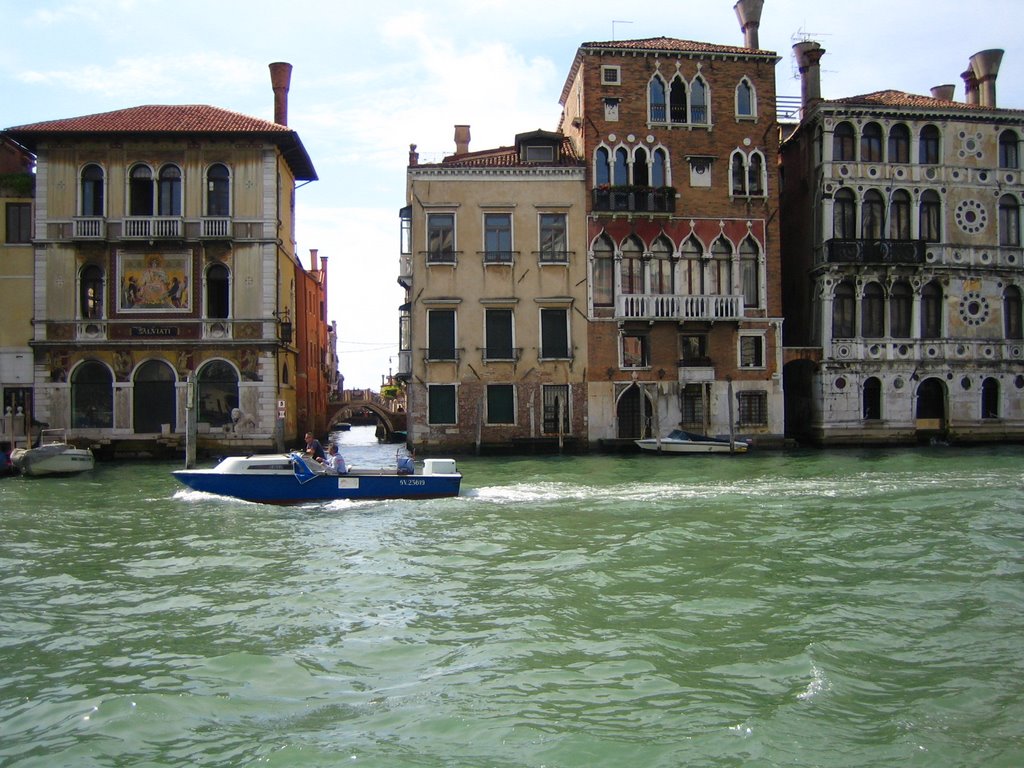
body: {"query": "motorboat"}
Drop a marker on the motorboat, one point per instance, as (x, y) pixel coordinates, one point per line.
(294, 478)
(680, 441)
(53, 455)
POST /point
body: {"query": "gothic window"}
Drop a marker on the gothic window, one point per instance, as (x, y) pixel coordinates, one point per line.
(656, 98)
(699, 102)
(751, 274)
(603, 272)
(691, 268)
(871, 215)
(844, 215)
(873, 312)
(901, 302)
(843, 305)
(745, 106)
(931, 311)
(631, 272)
(678, 110)
(661, 267)
(602, 167)
(899, 215)
(720, 277)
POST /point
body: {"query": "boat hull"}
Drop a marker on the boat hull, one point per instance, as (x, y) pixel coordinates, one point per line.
(671, 446)
(52, 460)
(297, 483)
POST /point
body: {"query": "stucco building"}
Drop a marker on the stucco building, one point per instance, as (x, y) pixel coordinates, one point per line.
(903, 263)
(683, 252)
(164, 253)
(493, 333)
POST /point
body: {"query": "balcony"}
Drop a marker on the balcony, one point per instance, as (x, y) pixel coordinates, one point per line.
(840, 251)
(634, 199)
(152, 228)
(664, 306)
(216, 228)
(90, 228)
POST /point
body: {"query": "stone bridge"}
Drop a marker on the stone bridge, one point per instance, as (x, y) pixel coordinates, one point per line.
(389, 421)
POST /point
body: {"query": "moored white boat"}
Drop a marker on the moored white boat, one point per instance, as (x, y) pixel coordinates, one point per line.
(680, 441)
(53, 456)
(294, 479)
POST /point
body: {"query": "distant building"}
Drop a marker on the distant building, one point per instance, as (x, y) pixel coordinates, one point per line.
(17, 185)
(903, 263)
(313, 381)
(164, 251)
(680, 143)
(493, 349)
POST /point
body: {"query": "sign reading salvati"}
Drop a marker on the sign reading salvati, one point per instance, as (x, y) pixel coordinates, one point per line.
(153, 331)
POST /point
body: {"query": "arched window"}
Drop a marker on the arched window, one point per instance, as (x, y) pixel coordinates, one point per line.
(720, 276)
(871, 215)
(1009, 221)
(899, 144)
(602, 167)
(750, 273)
(739, 174)
(621, 170)
(843, 305)
(603, 269)
(92, 396)
(140, 191)
(218, 291)
(844, 215)
(929, 219)
(216, 392)
(631, 272)
(755, 175)
(990, 399)
(871, 143)
(929, 146)
(843, 143)
(169, 191)
(641, 168)
(899, 215)
(872, 310)
(659, 168)
(656, 98)
(661, 267)
(1009, 156)
(691, 268)
(872, 398)
(931, 311)
(1012, 325)
(218, 190)
(90, 285)
(677, 109)
(901, 303)
(699, 102)
(92, 190)
(745, 99)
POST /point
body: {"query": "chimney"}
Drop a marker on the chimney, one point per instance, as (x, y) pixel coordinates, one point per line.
(414, 156)
(461, 139)
(943, 92)
(808, 54)
(280, 80)
(749, 14)
(985, 65)
(312, 258)
(970, 87)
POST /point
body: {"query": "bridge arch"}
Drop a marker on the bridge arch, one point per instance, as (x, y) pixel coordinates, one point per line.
(390, 421)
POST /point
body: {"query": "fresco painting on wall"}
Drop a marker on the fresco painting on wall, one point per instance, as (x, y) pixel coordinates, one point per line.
(154, 281)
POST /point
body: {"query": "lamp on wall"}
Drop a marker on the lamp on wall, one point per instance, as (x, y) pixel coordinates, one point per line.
(284, 326)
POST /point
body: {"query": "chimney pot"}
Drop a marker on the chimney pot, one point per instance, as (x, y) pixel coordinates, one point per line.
(944, 92)
(414, 156)
(985, 66)
(808, 53)
(280, 81)
(749, 14)
(461, 139)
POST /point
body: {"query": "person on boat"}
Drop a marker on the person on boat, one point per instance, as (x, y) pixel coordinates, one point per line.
(313, 448)
(335, 460)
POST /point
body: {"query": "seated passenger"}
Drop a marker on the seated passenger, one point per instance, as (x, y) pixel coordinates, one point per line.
(335, 460)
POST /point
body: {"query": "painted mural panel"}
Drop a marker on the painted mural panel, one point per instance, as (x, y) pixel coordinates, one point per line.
(154, 282)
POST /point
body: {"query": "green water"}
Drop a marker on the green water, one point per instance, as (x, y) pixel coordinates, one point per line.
(859, 608)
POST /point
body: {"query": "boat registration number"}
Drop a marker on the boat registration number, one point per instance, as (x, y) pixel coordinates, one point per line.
(412, 482)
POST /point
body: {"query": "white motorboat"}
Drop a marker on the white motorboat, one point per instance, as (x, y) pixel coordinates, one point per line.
(54, 455)
(680, 441)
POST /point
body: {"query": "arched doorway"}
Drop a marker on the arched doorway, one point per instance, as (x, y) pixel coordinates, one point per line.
(217, 392)
(633, 414)
(153, 397)
(92, 396)
(930, 409)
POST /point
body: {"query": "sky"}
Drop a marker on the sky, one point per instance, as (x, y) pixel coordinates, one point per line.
(371, 78)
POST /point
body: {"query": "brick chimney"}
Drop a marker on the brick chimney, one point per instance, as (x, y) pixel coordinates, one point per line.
(414, 156)
(985, 65)
(970, 86)
(808, 54)
(461, 139)
(749, 14)
(280, 80)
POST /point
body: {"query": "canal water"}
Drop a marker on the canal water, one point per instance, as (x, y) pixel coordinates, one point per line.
(853, 608)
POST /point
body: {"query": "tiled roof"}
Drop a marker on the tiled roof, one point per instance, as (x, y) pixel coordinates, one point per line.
(157, 118)
(893, 98)
(508, 157)
(163, 119)
(673, 45)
